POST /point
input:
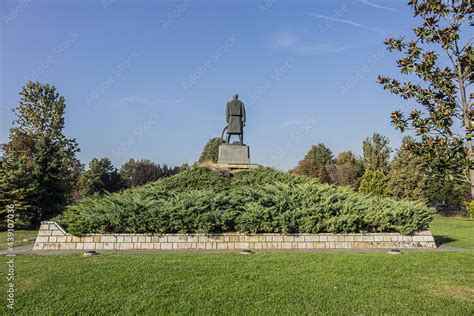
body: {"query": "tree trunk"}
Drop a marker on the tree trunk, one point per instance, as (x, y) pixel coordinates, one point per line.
(467, 121)
(470, 154)
(471, 178)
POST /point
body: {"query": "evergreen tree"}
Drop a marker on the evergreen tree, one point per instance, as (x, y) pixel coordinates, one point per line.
(446, 191)
(315, 163)
(376, 152)
(18, 187)
(210, 153)
(44, 153)
(375, 156)
(407, 179)
(101, 177)
(374, 181)
(49, 174)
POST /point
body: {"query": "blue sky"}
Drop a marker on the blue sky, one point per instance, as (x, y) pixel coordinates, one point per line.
(150, 79)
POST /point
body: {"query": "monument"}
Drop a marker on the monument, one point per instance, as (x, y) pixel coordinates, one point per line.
(234, 155)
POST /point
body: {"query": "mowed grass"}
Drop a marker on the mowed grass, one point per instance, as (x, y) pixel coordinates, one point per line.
(231, 283)
(453, 231)
(19, 235)
(264, 283)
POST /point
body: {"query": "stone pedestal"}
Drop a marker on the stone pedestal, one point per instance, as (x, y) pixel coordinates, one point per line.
(234, 155)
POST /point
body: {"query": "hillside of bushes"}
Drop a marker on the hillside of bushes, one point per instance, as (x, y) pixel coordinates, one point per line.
(263, 200)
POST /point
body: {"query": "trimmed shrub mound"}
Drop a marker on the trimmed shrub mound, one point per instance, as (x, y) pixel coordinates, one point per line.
(255, 201)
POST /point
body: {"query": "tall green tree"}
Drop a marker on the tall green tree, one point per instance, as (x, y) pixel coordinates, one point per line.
(315, 162)
(210, 153)
(45, 154)
(376, 160)
(440, 88)
(100, 178)
(376, 152)
(407, 177)
(49, 174)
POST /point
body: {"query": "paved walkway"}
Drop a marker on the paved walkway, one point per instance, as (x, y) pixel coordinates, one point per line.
(28, 249)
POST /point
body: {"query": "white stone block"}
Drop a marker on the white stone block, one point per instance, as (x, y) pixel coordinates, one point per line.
(89, 246)
(57, 233)
(41, 239)
(378, 238)
(166, 245)
(147, 245)
(108, 246)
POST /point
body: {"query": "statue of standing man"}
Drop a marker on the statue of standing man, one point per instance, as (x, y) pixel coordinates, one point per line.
(235, 115)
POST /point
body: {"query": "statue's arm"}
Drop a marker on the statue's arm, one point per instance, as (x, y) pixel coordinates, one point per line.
(227, 113)
(244, 116)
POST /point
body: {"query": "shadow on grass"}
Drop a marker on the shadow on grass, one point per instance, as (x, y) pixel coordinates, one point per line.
(439, 240)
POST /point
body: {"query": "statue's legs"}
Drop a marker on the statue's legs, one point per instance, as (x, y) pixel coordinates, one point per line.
(241, 138)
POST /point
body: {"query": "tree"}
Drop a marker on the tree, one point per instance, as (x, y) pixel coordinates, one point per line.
(210, 153)
(407, 179)
(346, 157)
(374, 181)
(18, 187)
(44, 153)
(441, 90)
(446, 191)
(347, 171)
(169, 171)
(315, 162)
(101, 177)
(140, 172)
(20, 143)
(376, 152)
(376, 155)
(47, 170)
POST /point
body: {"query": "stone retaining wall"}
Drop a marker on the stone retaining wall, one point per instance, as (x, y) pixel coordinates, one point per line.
(52, 236)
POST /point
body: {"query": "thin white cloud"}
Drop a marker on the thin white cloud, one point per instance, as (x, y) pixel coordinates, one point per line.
(290, 41)
(373, 5)
(331, 18)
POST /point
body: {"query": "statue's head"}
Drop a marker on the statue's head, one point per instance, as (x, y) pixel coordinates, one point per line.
(235, 96)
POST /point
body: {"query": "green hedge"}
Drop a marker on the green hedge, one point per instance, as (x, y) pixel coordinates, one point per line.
(256, 201)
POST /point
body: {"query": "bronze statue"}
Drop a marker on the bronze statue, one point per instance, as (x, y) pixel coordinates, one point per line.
(235, 116)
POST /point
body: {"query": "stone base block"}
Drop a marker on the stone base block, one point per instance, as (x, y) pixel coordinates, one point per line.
(228, 241)
(237, 167)
(234, 155)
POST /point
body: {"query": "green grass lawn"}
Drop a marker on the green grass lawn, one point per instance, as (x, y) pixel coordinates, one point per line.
(20, 235)
(231, 283)
(454, 231)
(264, 283)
